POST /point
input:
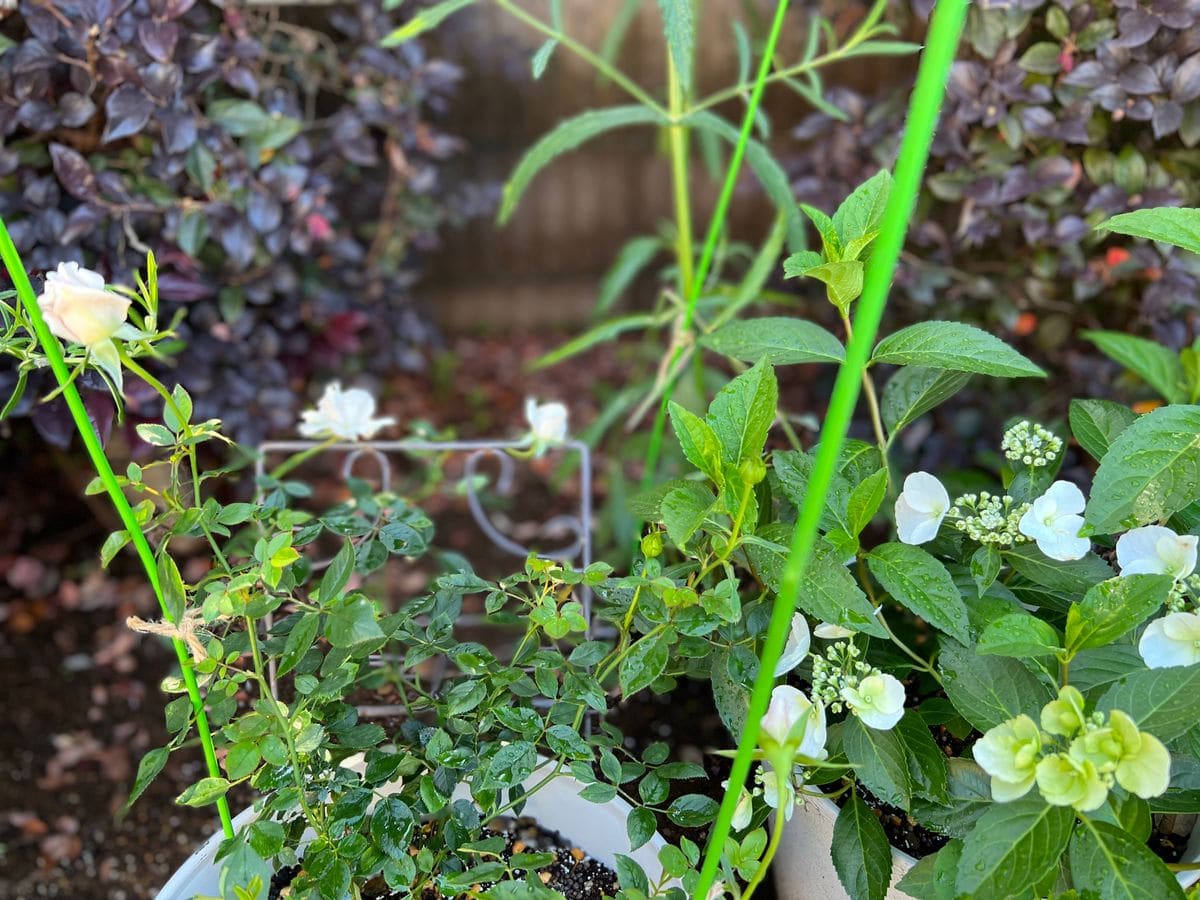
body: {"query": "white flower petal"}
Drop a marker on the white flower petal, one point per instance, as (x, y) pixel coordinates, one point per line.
(829, 632)
(1068, 498)
(925, 493)
(1156, 550)
(798, 644)
(915, 526)
(1171, 641)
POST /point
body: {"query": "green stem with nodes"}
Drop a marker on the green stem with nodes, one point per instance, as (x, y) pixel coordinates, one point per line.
(285, 726)
(595, 61)
(715, 226)
(872, 400)
(944, 31)
(677, 136)
(91, 441)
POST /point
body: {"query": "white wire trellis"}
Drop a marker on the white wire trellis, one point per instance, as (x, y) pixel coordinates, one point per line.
(577, 550)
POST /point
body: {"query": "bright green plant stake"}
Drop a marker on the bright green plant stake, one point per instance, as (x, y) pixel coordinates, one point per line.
(944, 31)
(91, 440)
(695, 284)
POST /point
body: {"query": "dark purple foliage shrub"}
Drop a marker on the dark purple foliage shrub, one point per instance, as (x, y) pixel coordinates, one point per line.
(1058, 115)
(284, 173)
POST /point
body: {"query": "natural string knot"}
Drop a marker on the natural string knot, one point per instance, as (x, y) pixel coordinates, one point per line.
(184, 630)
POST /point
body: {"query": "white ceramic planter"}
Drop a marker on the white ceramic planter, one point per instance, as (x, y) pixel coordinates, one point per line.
(597, 829)
(804, 871)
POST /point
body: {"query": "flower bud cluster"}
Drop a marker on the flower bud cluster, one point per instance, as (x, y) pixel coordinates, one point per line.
(1074, 758)
(1031, 444)
(841, 680)
(989, 518)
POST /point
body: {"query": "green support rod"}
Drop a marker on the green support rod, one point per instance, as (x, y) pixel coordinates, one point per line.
(91, 440)
(944, 31)
(715, 226)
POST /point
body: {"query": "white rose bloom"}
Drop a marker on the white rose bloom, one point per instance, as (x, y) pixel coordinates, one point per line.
(547, 423)
(346, 414)
(878, 701)
(798, 643)
(1054, 521)
(78, 309)
(829, 632)
(920, 508)
(1156, 550)
(793, 719)
(1173, 640)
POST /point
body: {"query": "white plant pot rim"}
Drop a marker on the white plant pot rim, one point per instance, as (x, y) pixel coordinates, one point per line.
(804, 870)
(596, 828)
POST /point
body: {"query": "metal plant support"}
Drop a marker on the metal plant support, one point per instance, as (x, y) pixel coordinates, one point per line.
(578, 549)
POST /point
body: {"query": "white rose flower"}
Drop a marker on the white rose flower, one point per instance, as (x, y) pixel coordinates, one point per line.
(78, 309)
(1054, 521)
(1173, 640)
(798, 643)
(878, 701)
(920, 508)
(346, 414)
(794, 720)
(1156, 550)
(547, 423)
(829, 632)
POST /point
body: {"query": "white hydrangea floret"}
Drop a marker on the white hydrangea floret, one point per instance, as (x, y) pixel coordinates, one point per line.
(920, 509)
(345, 414)
(1156, 550)
(1054, 521)
(798, 643)
(877, 700)
(1173, 640)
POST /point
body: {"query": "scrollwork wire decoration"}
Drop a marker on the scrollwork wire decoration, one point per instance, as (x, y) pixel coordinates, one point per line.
(578, 550)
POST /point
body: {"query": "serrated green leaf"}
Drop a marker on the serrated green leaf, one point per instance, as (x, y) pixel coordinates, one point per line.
(880, 761)
(644, 662)
(954, 346)
(337, 575)
(1151, 471)
(1158, 366)
(843, 280)
(392, 825)
(862, 855)
(778, 339)
(1180, 227)
(1164, 702)
(1106, 862)
(920, 583)
(1013, 847)
(742, 413)
(989, 690)
(1018, 635)
(698, 441)
(861, 213)
(204, 791)
(1114, 607)
(353, 623)
(914, 391)
(148, 768)
(1097, 423)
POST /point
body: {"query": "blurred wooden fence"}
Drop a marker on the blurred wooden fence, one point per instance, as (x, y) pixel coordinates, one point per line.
(542, 269)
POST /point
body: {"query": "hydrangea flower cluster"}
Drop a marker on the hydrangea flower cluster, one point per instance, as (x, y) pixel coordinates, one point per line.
(843, 681)
(1075, 759)
(989, 518)
(1031, 444)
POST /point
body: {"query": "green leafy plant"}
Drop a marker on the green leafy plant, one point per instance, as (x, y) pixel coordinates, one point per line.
(1045, 639)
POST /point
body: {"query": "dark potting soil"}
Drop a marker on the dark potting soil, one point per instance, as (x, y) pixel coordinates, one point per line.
(573, 873)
